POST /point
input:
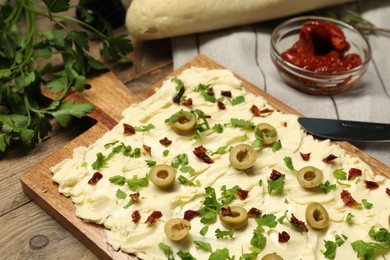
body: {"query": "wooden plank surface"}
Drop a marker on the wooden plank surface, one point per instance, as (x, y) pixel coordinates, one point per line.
(37, 183)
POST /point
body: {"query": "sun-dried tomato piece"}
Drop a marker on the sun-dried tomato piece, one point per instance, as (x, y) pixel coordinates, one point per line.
(200, 152)
(354, 172)
(135, 195)
(283, 237)
(136, 216)
(275, 175)
(305, 156)
(226, 93)
(347, 199)
(148, 149)
(165, 141)
(128, 129)
(242, 194)
(190, 214)
(97, 176)
(255, 110)
(220, 105)
(176, 99)
(266, 111)
(153, 217)
(253, 212)
(371, 185)
(388, 191)
(329, 158)
(300, 225)
(187, 102)
(226, 211)
(210, 92)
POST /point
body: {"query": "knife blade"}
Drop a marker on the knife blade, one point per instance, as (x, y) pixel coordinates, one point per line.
(352, 131)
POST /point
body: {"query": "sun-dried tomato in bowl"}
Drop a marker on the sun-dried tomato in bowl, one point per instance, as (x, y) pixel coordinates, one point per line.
(319, 55)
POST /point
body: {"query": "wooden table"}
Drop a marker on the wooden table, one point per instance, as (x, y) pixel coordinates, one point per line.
(27, 232)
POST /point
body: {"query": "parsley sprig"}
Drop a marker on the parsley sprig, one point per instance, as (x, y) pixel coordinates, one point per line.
(25, 114)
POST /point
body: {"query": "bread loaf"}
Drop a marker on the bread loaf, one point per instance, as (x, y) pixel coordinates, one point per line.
(155, 19)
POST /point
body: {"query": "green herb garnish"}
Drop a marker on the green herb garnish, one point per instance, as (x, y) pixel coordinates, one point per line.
(277, 185)
(237, 100)
(185, 255)
(168, 252)
(203, 245)
(327, 187)
(235, 122)
(339, 174)
(185, 181)
(288, 161)
(145, 128)
(224, 233)
(135, 183)
(25, 68)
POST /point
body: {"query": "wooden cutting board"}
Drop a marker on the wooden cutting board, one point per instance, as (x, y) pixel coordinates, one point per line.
(111, 97)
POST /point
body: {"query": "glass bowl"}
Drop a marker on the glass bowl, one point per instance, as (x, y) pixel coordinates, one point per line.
(316, 83)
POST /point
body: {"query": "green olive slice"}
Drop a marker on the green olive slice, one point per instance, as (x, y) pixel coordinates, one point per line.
(273, 256)
(310, 177)
(317, 216)
(269, 133)
(162, 175)
(177, 228)
(242, 156)
(237, 219)
(185, 123)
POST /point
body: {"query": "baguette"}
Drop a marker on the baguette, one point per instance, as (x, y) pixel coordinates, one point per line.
(155, 19)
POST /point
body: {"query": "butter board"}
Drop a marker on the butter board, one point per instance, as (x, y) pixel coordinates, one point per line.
(110, 97)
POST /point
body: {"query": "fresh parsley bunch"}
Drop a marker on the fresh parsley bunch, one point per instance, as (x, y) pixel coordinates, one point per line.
(25, 113)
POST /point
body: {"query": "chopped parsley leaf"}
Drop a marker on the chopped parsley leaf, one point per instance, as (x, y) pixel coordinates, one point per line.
(235, 122)
(366, 204)
(218, 128)
(120, 194)
(150, 163)
(101, 161)
(237, 100)
(203, 89)
(204, 230)
(288, 161)
(220, 150)
(165, 153)
(258, 240)
(135, 183)
(221, 254)
(349, 218)
(228, 195)
(276, 146)
(224, 233)
(181, 160)
(185, 181)
(185, 255)
(118, 180)
(339, 174)
(187, 169)
(327, 187)
(276, 185)
(208, 212)
(168, 252)
(268, 220)
(203, 245)
(131, 202)
(144, 128)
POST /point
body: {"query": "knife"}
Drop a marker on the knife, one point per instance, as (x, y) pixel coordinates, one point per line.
(352, 131)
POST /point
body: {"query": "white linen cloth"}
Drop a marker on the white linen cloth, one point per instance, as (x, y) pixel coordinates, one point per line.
(246, 51)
